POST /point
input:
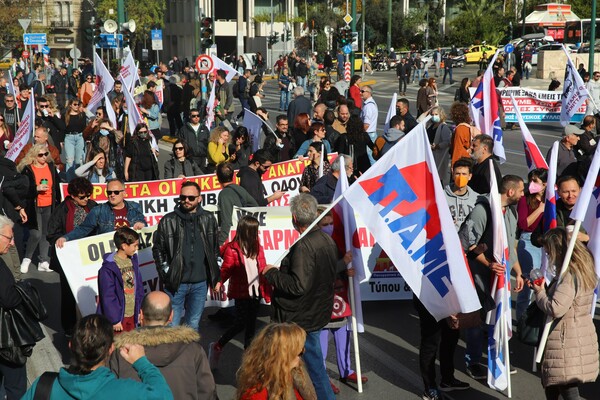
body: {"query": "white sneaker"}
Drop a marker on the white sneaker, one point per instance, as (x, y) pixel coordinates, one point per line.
(25, 265)
(214, 353)
(44, 266)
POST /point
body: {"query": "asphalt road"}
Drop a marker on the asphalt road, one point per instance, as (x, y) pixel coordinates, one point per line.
(389, 346)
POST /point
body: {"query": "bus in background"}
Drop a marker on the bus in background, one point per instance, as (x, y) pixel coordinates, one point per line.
(578, 32)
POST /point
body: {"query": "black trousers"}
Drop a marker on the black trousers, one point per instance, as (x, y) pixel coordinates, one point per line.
(246, 311)
(435, 335)
(15, 380)
(402, 81)
(175, 122)
(568, 392)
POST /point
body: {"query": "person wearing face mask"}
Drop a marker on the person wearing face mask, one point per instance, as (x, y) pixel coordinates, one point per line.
(324, 188)
(530, 211)
(251, 178)
(141, 163)
(442, 135)
(460, 197)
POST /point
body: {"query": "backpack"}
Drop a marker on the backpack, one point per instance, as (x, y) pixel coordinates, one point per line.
(472, 129)
(381, 147)
(236, 89)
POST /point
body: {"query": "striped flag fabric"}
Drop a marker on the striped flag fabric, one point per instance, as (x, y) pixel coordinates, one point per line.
(574, 91)
(499, 319)
(550, 208)
(533, 155)
(485, 111)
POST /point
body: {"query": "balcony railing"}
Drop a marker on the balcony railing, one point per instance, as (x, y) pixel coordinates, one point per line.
(62, 24)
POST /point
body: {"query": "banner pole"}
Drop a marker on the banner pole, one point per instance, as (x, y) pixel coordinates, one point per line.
(355, 335)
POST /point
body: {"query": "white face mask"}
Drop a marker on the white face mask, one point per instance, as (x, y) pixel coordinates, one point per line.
(435, 119)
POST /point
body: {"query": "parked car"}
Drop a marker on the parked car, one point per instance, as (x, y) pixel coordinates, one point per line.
(536, 40)
(473, 54)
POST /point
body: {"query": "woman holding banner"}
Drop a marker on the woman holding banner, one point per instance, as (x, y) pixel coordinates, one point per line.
(316, 152)
(571, 355)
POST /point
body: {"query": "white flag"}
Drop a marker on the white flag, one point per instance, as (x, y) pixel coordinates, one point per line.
(110, 112)
(210, 107)
(220, 64)
(104, 83)
(574, 92)
(24, 132)
(391, 112)
(134, 116)
(128, 72)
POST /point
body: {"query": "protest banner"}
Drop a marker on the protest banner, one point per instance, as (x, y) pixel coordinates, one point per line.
(535, 105)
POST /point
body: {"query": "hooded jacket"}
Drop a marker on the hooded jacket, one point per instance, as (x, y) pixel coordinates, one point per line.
(460, 206)
(391, 137)
(102, 384)
(177, 353)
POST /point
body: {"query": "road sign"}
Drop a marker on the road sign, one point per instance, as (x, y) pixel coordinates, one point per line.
(45, 50)
(25, 54)
(347, 19)
(24, 23)
(75, 53)
(34, 38)
(157, 39)
(509, 48)
(109, 41)
(204, 64)
(347, 71)
(347, 49)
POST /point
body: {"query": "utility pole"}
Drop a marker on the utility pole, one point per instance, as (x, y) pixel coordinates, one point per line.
(591, 67)
(353, 29)
(389, 32)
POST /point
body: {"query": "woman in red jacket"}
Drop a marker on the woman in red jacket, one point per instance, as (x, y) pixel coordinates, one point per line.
(354, 91)
(272, 367)
(243, 263)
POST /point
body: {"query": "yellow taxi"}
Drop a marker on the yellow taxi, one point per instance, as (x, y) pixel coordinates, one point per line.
(474, 53)
(6, 64)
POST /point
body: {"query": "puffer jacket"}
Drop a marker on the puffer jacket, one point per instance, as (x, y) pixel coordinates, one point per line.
(303, 286)
(168, 247)
(572, 348)
(177, 353)
(234, 270)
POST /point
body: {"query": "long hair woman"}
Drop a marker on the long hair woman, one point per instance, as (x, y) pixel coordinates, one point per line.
(243, 263)
(571, 355)
(272, 367)
(6, 135)
(432, 92)
(459, 112)
(96, 169)
(141, 162)
(358, 141)
(316, 133)
(74, 145)
(241, 147)
(354, 90)
(218, 147)
(149, 108)
(442, 134)
(42, 197)
(310, 175)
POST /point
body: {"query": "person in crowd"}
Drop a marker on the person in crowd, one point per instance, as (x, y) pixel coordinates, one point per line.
(530, 211)
(86, 91)
(403, 109)
(281, 146)
(60, 83)
(460, 197)
(50, 120)
(316, 133)
(394, 134)
(571, 353)
(324, 188)
(284, 89)
(42, 197)
(73, 85)
(479, 248)
(14, 376)
(299, 105)
(113, 142)
(328, 94)
(88, 377)
(554, 85)
(482, 151)
(6, 135)
(180, 165)
(116, 90)
(442, 136)
(96, 169)
(354, 90)
(93, 125)
(567, 158)
(240, 147)
(272, 367)
(185, 251)
(172, 104)
(244, 90)
(151, 112)
(224, 94)
(109, 216)
(68, 215)
(218, 148)
(422, 99)
(310, 265)
(75, 122)
(141, 160)
(403, 74)
(231, 195)
(10, 112)
(369, 115)
(586, 146)
(120, 288)
(251, 178)
(256, 93)
(462, 93)
(432, 92)
(359, 141)
(175, 350)
(317, 154)
(195, 135)
(301, 127)
(41, 136)
(462, 137)
(448, 67)
(243, 264)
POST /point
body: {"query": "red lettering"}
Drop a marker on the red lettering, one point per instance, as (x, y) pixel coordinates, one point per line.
(267, 241)
(277, 237)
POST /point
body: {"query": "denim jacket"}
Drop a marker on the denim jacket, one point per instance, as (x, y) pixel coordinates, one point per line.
(101, 220)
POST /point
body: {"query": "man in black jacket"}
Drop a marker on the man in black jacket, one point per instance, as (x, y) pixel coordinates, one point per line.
(282, 147)
(251, 178)
(195, 135)
(303, 287)
(172, 104)
(60, 83)
(185, 251)
(324, 188)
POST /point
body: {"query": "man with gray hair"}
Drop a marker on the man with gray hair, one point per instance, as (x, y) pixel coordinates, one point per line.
(369, 115)
(324, 188)
(175, 350)
(299, 105)
(303, 287)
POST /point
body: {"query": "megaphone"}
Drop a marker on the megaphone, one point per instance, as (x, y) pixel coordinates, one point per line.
(129, 25)
(110, 26)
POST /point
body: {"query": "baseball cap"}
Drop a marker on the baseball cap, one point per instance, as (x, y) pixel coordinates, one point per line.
(572, 130)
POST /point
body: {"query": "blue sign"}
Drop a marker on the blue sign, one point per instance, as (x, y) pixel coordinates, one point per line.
(34, 38)
(45, 50)
(109, 41)
(347, 49)
(156, 34)
(509, 48)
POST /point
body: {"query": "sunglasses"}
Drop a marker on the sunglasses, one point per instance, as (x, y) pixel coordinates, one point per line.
(195, 116)
(183, 197)
(365, 91)
(85, 196)
(43, 154)
(41, 106)
(115, 192)
(178, 148)
(75, 104)
(9, 101)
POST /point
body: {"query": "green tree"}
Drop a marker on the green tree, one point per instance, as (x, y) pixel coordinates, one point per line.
(11, 34)
(479, 20)
(147, 14)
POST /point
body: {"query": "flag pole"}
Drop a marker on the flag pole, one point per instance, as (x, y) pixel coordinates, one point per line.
(355, 335)
(506, 354)
(563, 271)
(488, 317)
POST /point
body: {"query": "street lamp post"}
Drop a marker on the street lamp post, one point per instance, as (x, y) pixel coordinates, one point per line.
(428, 4)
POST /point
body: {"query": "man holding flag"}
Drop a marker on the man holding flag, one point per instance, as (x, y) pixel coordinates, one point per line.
(477, 238)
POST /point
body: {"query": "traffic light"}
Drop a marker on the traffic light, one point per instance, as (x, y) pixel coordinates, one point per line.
(89, 34)
(288, 35)
(344, 36)
(207, 33)
(274, 38)
(98, 29)
(126, 38)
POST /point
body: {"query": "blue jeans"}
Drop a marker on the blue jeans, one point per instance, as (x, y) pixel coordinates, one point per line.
(529, 257)
(74, 151)
(474, 341)
(300, 81)
(313, 358)
(189, 298)
(284, 100)
(373, 136)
